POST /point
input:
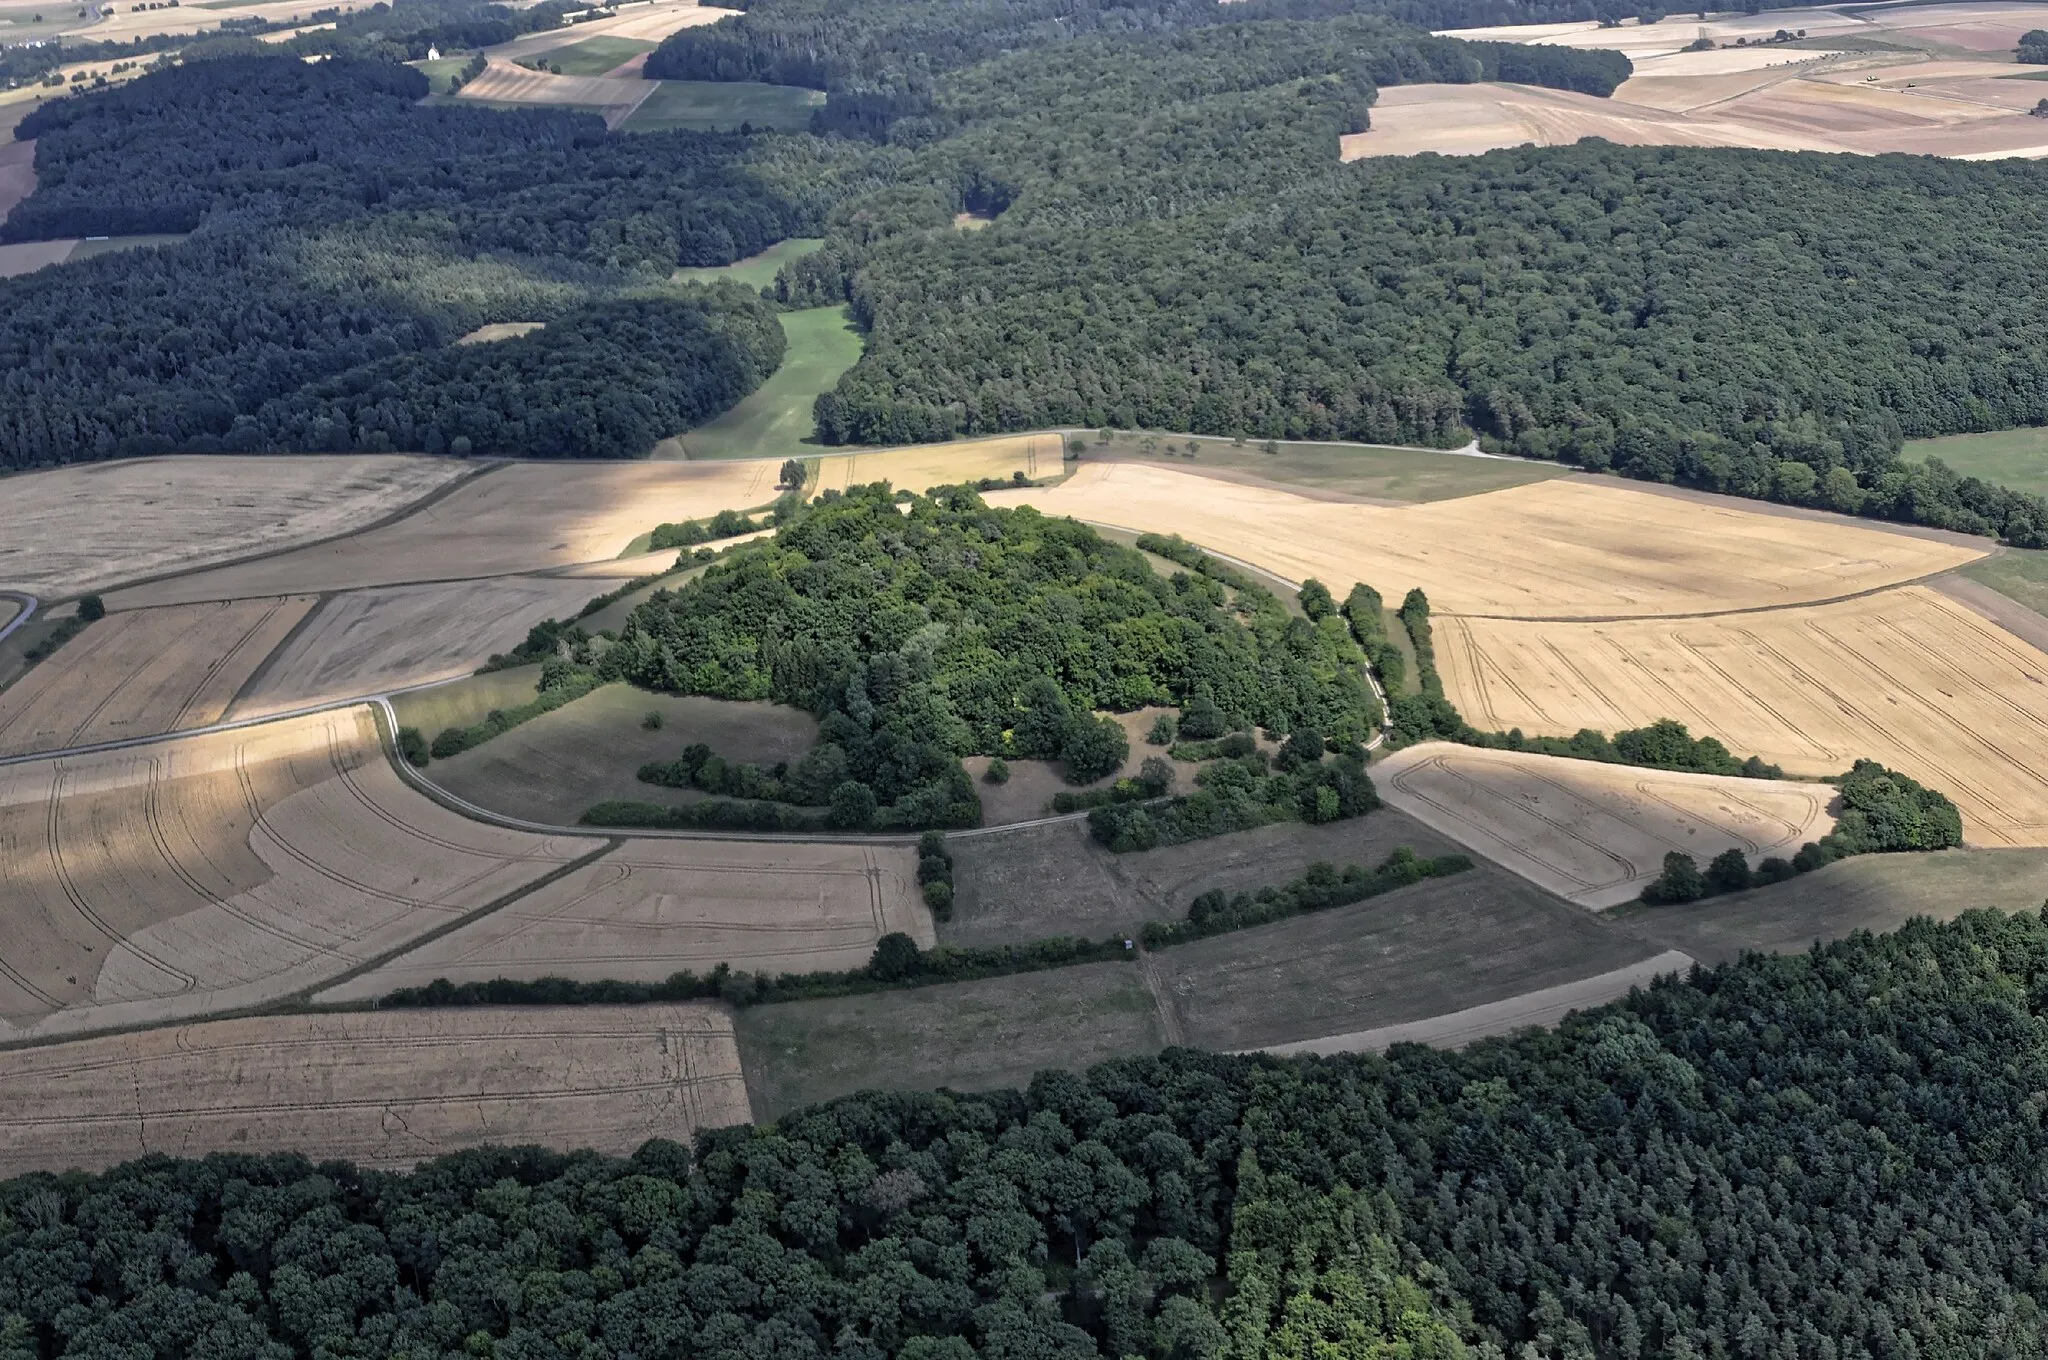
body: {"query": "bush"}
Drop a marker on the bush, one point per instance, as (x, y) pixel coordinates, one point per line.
(1315, 600)
(998, 771)
(1201, 719)
(792, 476)
(413, 746)
(939, 897)
(1164, 730)
(652, 722)
(1681, 881)
(1237, 795)
(1304, 746)
(1094, 747)
(92, 608)
(1728, 872)
(853, 806)
(1235, 746)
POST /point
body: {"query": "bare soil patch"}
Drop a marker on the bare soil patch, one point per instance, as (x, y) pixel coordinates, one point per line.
(81, 528)
(501, 330)
(554, 768)
(1591, 832)
(144, 673)
(656, 907)
(203, 873)
(386, 1089)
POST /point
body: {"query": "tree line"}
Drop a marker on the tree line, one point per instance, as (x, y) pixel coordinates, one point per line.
(1812, 1155)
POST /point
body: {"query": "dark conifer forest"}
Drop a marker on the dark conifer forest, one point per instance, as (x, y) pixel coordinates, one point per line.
(1820, 1156)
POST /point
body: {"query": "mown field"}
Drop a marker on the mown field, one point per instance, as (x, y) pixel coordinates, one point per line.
(774, 420)
(2016, 458)
(1365, 471)
(723, 106)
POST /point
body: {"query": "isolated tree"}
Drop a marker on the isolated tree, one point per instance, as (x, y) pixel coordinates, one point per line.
(1728, 872)
(1093, 748)
(1164, 729)
(1316, 601)
(1681, 881)
(896, 958)
(792, 477)
(92, 608)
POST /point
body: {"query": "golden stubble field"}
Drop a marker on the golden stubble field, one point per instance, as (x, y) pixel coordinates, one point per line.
(656, 907)
(1907, 676)
(386, 1089)
(1568, 548)
(226, 869)
(1037, 456)
(85, 527)
(1595, 833)
(144, 673)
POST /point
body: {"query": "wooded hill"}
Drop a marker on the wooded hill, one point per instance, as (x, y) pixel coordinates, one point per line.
(1823, 1155)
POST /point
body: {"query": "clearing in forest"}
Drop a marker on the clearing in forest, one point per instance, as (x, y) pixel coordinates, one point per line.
(520, 517)
(656, 907)
(1569, 548)
(756, 271)
(2014, 458)
(201, 873)
(81, 528)
(722, 106)
(1907, 677)
(775, 420)
(367, 642)
(502, 82)
(144, 673)
(1592, 832)
(383, 1089)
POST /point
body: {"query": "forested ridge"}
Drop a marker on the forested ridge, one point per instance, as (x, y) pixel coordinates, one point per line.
(1827, 1156)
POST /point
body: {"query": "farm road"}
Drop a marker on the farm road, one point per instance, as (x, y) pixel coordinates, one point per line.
(28, 605)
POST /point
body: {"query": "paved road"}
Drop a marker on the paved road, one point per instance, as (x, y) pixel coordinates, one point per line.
(28, 605)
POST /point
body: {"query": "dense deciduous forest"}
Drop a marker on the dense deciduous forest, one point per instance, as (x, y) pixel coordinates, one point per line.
(1821, 1155)
(957, 629)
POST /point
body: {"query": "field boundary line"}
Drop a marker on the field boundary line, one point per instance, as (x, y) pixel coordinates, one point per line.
(1926, 580)
(269, 662)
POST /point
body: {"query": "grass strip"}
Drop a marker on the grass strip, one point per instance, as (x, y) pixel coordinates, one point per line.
(1322, 887)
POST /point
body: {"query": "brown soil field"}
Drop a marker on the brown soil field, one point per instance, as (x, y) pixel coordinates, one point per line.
(1907, 676)
(1572, 548)
(202, 873)
(656, 907)
(1037, 456)
(1595, 833)
(370, 641)
(144, 673)
(381, 1090)
(85, 527)
(552, 769)
(519, 518)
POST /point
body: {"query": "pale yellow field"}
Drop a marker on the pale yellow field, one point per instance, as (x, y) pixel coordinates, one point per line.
(85, 527)
(921, 467)
(647, 22)
(144, 673)
(1596, 833)
(373, 641)
(388, 1089)
(1907, 677)
(501, 330)
(26, 257)
(1568, 548)
(505, 83)
(518, 518)
(656, 907)
(201, 873)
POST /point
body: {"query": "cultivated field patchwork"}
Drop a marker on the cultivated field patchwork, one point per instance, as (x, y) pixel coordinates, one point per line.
(144, 673)
(202, 873)
(1591, 832)
(81, 528)
(652, 908)
(1908, 677)
(517, 518)
(1568, 548)
(919, 468)
(370, 641)
(385, 1089)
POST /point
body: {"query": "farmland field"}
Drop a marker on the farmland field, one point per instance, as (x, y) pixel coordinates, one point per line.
(463, 702)
(1908, 677)
(774, 420)
(504, 84)
(25, 257)
(203, 873)
(969, 1036)
(756, 271)
(919, 467)
(517, 518)
(655, 907)
(144, 673)
(722, 106)
(1570, 548)
(2014, 458)
(1368, 472)
(1596, 833)
(81, 528)
(593, 56)
(555, 767)
(380, 1090)
(2017, 573)
(369, 641)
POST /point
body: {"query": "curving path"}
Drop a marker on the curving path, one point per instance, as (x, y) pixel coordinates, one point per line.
(28, 603)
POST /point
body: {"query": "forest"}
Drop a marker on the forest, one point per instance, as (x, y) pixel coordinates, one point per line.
(1823, 1155)
(957, 629)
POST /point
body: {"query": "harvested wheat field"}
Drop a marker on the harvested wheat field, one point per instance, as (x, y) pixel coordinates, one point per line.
(202, 873)
(1572, 548)
(1591, 832)
(649, 23)
(656, 907)
(1907, 676)
(520, 517)
(144, 673)
(386, 1089)
(921, 467)
(81, 528)
(502, 82)
(373, 641)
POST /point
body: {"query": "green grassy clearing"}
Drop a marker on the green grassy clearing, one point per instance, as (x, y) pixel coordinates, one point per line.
(722, 106)
(1390, 474)
(972, 1036)
(775, 419)
(440, 72)
(464, 702)
(756, 271)
(591, 57)
(2017, 574)
(2014, 458)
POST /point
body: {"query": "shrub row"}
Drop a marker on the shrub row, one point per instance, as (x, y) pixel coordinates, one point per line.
(1178, 550)
(1323, 886)
(1237, 795)
(689, 533)
(1154, 779)
(935, 874)
(1415, 618)
(560, 683)
(713, 814)
(1366, 613)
